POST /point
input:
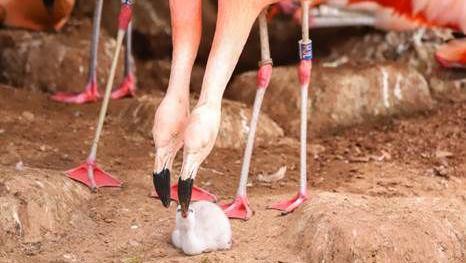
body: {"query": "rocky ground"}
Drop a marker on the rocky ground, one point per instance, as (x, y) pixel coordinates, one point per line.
(406, 174)
(387, 152)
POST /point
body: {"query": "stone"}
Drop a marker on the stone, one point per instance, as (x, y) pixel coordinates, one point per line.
(339, 97)
(139, 115)
(42, 61)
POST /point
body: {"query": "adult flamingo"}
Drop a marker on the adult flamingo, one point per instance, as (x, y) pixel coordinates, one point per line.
(406, 15)
(91, 91)
(35, 14)
(401, 15)
(175, 127)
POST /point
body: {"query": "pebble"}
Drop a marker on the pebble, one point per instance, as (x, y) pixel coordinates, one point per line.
(70, 257)
(29, 116)
(19, 166)
(133, 243)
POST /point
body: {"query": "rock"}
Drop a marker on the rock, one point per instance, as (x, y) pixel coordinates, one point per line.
(29, 116)
(339, 97)
(53, 62)
(19, 166)
(448, 86)
(414, 48)
(152, 25)
(335, 227)
(38, 205)
(139, 115)
(272, 178)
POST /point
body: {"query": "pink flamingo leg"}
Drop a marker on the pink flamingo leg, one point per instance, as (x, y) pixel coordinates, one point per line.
(91, 92)
(127, 87)
(304, 73)
(239, 208)
(234, 22)
(88, 173)
(172, 114)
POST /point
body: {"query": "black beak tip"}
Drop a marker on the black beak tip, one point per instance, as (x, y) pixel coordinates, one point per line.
(162, 186)
(185, 188)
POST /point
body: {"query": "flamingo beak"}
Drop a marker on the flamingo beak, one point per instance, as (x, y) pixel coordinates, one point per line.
(185, 188)
(162, 186)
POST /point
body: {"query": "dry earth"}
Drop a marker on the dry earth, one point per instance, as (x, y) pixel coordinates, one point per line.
(392, 189)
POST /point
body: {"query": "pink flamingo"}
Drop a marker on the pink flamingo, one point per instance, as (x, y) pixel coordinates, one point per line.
(198, 131)
(175, 127)
(404, 15)
(91, 91)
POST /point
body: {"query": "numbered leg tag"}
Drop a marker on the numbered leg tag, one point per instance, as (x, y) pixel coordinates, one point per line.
(305, 50)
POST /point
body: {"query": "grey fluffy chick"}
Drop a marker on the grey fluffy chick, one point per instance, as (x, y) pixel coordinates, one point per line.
(206, 228)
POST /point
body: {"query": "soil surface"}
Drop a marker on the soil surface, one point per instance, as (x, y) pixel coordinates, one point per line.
(419, 156)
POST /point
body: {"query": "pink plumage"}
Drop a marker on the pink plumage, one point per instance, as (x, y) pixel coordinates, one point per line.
(402, 15)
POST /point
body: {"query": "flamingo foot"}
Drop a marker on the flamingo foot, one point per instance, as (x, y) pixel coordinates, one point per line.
(101, 178)
(198, 194)
(126, 89)
(238, 209)
(289, 206)
(90, 94)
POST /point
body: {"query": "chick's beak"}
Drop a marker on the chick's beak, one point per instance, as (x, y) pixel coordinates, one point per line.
(185, 188)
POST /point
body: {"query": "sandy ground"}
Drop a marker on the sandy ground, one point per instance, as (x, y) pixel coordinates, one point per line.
(420, 156)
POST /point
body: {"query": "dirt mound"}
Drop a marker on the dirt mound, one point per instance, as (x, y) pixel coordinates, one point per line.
(339, 97)
(233, 129)
(349, 228)
(37, 204)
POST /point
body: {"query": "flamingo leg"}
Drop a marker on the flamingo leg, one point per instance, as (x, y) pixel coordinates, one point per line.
(127, 87)
(234, 22)
(239, 208)
(172, 114)
(89, 173)
(91, 92)
(304, 73)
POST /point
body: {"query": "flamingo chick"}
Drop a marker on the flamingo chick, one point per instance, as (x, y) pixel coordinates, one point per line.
(204, 228)
(36, 14)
